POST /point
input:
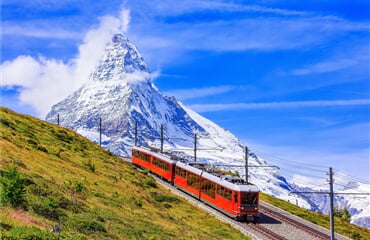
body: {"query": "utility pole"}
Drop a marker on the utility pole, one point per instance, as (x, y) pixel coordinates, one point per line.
(100, 131)
(246, 164)
(331, 195)
(195, 147)
(161, 138)
(331, 200)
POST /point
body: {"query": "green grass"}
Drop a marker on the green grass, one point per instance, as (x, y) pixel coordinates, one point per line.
(341, 226)
(91, 194)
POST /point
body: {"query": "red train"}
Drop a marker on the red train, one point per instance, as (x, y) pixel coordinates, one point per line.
(228, 194)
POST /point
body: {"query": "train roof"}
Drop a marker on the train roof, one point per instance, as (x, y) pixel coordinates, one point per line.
(156, 153)
(198, 168)
(230, 182)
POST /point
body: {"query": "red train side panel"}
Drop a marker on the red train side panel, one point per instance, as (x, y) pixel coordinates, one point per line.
(158, 164)
(188, 179)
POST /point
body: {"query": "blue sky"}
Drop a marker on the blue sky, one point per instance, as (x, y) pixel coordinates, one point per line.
(289, 79)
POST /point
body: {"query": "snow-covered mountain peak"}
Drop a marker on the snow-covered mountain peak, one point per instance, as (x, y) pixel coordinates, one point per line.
(121, 61)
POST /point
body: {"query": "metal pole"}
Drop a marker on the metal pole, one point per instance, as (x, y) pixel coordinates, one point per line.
(100, 131)
(135, 133)
(195, 147)
(246, 164)
(331, 194)
(58, 120)
(161, 138)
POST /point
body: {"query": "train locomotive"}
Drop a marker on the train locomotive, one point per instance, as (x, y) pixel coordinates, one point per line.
(230, 195)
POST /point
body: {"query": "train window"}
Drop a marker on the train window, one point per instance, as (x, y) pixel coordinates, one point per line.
(236, 197)
(208, 188)
(249, 198)
(181, 172)
(161, 164)
(141, 155)
(193, 180)
(224, 192)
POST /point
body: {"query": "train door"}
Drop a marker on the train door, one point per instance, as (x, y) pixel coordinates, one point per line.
(236, 199)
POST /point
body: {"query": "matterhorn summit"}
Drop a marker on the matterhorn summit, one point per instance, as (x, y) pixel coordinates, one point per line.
(120, 94)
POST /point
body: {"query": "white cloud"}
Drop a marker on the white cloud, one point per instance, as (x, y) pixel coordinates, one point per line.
(265, 105)
(43, 82)
(170, 8)
(342, 59)
(33, 31)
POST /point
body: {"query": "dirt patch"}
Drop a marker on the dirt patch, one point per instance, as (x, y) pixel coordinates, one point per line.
(24, 217)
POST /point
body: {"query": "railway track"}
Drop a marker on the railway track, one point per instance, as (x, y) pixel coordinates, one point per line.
(266, 232)
(284, 218)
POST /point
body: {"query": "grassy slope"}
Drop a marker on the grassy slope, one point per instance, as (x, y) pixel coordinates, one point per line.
(88, 192)
(340, 225)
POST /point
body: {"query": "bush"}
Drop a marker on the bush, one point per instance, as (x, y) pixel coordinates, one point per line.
(90, 166)
(89, 227)
(76, 186)
(150, 183)
(164, 198)
(342, 213)
(12, 187)
(138, 203)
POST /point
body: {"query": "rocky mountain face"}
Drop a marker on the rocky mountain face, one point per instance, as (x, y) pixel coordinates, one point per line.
(120, 99)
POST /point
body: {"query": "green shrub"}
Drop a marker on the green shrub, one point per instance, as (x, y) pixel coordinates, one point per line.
(355, 236)
(87, 227)
(90, 166)
(164, 198)
(115, 194)
(150, 183)
(342, 213)
(12, 187)
(139, 203)
(76, 186)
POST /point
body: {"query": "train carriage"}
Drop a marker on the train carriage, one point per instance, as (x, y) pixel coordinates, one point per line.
(157, 163)
(230, 195)
(239, 199)
(187, 178)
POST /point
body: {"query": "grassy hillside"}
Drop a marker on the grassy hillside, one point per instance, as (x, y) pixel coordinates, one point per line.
(88, 192)
(341, 226)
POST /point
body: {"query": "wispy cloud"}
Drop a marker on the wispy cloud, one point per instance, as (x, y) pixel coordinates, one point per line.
(324, 67)
(245, 33)
(167, 8)
(342, 59)
(42, 82)
(193, 93)
(36, 32)
(241, 106)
